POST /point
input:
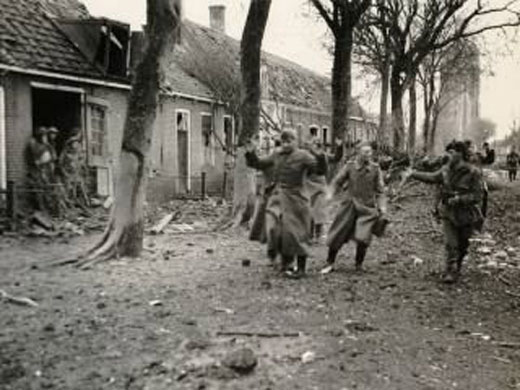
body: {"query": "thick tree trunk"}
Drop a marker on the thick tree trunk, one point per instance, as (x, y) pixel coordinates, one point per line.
(249, 117)
(397, 93)
(341, 85)
(124, 234)
(383, 105)
(412, 128)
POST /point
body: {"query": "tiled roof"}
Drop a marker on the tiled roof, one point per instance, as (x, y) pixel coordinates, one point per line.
(66, 9)
(178, 80)
(30, 39)
(289, 82)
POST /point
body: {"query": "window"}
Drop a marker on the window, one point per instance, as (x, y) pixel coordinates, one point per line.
(208, 138)
(98, 127)
(324, 134)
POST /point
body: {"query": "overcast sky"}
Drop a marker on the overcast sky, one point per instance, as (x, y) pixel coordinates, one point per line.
(294, 33)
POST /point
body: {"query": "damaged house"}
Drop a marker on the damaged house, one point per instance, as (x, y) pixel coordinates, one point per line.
(61, 67)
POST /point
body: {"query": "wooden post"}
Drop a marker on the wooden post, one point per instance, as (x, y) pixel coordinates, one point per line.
(224, 185)
(11, 200)
(203, 185)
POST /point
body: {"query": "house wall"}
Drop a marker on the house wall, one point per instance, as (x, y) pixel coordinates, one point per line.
(164, 181)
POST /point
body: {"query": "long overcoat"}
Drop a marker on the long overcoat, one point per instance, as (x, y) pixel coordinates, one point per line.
(288, 213)
(362, 192)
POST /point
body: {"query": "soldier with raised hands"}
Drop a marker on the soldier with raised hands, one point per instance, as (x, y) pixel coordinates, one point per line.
(288, 212)
(363, 206)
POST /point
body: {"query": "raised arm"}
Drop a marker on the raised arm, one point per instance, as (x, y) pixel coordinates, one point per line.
(260, 163)
(341, 177)
(427, 177)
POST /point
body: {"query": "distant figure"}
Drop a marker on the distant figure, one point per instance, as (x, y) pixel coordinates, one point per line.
(488, 157)
(512, 161)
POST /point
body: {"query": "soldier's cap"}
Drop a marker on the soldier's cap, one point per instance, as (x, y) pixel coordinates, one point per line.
(52, 129)
(41, 130)
(288, 134)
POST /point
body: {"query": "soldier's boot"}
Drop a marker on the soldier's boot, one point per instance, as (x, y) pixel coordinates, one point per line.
(271, 254)
(331, 259)
(300, 270)
(450, 274)
(287, 263)
(361, 251)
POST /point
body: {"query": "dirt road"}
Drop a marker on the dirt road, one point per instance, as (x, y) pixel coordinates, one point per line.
(155, 323)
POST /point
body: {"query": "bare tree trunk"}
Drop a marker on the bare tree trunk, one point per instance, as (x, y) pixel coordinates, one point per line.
(249, 118)
(385, 85)
(124, 234)
(412, 128)
(341, 85)
(433, 129)
(397, 93)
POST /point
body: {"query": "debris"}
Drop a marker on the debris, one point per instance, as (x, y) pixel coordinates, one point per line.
(417, 261)
(506, 344)
(42, 220)
(258, 334)
(484, 250)
(196, 344)
(308, 357)
(23, 301)
(155, 303)
(162, 224)
(500, 255)
(512, 294)
(108, 202)
(499, 359)
(210, 251)
(242, 360)
(246, 262)
(224, 310)
(359, 326)
(182, 228)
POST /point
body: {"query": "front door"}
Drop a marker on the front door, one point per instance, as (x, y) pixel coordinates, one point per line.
(183, 151)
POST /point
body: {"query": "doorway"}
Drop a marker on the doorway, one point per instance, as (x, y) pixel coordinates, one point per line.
(182, 119)
(57, 108)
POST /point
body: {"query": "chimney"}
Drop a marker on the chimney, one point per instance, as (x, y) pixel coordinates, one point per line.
(217, 18)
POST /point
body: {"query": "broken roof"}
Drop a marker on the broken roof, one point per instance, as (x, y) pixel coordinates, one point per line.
(288, 83)
(31, 39)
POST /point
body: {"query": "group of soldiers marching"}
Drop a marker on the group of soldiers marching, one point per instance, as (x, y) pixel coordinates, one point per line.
(295, 195)
(56, 175)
